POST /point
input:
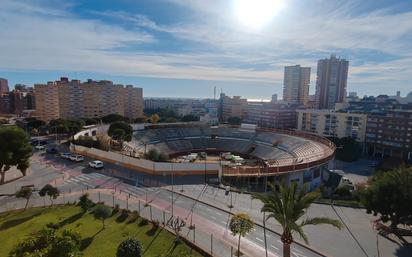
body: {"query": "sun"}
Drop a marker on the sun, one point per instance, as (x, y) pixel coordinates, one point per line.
(255, 14)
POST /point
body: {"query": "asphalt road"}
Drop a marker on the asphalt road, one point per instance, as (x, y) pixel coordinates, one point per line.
(112, 176)
(80, 177)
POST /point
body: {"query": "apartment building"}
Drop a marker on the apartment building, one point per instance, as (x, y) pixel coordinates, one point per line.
(231, 106)
(390, 134)
(296, 85)
(4, 86)
(20, 99)
(270, 115)
(389, 126)
(331, 81)
(331, 123)
(92, 99)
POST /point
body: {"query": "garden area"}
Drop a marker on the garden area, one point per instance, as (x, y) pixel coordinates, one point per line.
(86, 233)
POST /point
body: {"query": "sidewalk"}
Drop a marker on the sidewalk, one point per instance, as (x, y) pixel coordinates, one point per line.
(217, 204)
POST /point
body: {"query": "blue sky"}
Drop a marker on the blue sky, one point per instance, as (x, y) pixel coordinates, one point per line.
(187, 47)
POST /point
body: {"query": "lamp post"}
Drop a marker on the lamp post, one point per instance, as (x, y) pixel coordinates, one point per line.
(264, 233)
(172, 189)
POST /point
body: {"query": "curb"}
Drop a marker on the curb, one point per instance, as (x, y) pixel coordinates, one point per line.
(257, 223)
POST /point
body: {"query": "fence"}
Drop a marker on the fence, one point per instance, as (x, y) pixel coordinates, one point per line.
(200, 239)
(147, 166)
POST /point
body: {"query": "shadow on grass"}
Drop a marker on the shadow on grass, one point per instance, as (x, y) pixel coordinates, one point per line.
(143, 223)
(14, 222)
(122, 217)
(86, 242)
(70, 219)
(152, 230)
(151, 242)
(172, 248)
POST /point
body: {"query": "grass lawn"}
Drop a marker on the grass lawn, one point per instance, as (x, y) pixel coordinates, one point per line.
(15, 225)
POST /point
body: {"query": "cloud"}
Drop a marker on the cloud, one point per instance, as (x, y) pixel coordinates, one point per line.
(213, 46)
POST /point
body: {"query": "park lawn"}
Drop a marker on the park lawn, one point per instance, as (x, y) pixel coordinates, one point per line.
(15, 225)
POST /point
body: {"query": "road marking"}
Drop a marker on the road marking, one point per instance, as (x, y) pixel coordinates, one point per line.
(257, 238)
(274, 247)
(218, 213)
(223, 222)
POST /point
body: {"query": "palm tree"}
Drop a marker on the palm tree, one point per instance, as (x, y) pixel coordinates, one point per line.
(240, 224)
(287, 206)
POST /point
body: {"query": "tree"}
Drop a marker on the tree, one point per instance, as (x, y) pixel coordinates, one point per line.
(26, 193)
(154, 155)
(61, 126)
(37, 244)
(68, 245)
(51, 191)
(389, 194)
(240, 224)
(130, 247)
(348, 149)
(46, 243)
(287, 206)
(102, 212)
(15, 150)
(141, 120)
(154, 118)
(34, 123)
(112, 118)
(120, 131)
(190, 117)
(234, 120)
(85, 203)
(35, 131)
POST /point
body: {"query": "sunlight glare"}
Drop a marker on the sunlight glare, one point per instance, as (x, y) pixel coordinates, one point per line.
(256, 14)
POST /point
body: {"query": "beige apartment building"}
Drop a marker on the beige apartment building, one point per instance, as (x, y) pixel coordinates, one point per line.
(92, 99)
(231, 107)
(296, 85)
(330, 123)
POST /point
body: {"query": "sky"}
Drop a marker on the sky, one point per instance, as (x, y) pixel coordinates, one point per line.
(185, 48)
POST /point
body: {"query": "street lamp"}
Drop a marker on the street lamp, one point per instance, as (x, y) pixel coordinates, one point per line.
(172, 189)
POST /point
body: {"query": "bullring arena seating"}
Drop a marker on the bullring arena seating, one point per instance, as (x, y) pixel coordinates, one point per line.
(276, 147)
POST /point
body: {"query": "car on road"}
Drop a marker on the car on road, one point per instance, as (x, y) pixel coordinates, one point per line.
(65, 155)
(96, 164)
(51, 150)
(39, 147)
(76, 158)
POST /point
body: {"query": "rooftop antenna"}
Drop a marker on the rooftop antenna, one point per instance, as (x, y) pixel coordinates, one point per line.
(214, 93)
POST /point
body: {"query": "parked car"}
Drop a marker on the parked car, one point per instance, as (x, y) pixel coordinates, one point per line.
(65, 155)
(51, 150)
(96, 164)
(76, 158)
(38, 142)
(39, 147)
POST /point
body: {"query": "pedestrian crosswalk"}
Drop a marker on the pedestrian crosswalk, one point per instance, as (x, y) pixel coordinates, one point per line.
(137, 190)
(98, 180)
(88, 180)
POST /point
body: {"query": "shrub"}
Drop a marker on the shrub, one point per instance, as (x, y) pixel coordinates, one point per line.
(85, 203)
(129, 248)
(133, 217)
